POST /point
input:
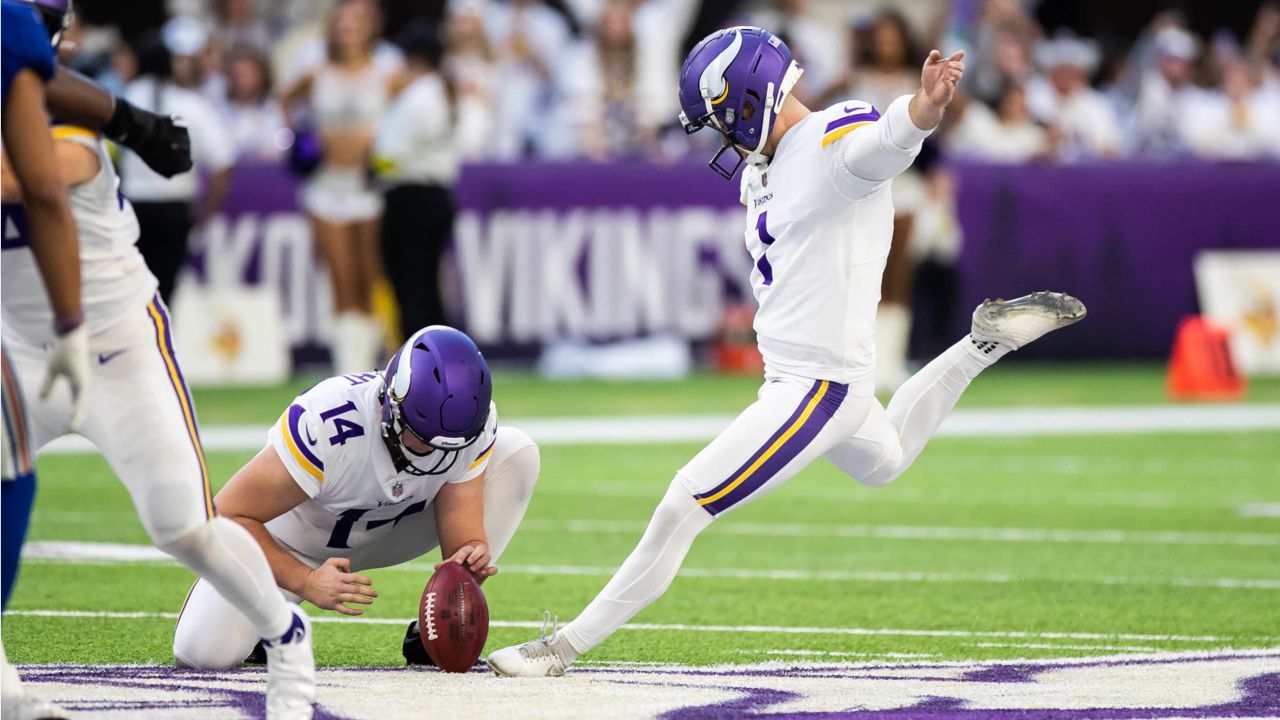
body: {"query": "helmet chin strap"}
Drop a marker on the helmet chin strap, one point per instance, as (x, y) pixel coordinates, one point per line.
(773, 107)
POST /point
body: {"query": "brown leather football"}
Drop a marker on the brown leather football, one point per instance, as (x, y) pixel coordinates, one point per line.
(453, 618)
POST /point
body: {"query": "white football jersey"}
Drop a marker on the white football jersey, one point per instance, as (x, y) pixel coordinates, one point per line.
(330, 439)
(819, 225)
(114, 278)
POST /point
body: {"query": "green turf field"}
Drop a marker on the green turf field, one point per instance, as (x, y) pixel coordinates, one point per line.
(987, 548)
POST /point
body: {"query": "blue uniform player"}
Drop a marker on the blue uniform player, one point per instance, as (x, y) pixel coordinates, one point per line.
(27, 64)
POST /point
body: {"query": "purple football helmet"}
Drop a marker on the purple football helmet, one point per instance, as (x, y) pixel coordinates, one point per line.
(435, 399)
(56, 16)
(735, 81)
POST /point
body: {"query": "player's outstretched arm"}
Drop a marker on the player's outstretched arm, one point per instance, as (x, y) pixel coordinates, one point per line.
(880, 152)
(263, 490)
(459, 509)
(162, 142)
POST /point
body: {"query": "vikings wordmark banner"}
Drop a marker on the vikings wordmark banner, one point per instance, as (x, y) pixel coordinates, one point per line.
(607, 251)
(540, 253)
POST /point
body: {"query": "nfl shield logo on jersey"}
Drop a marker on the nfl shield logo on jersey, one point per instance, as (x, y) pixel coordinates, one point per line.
(397, 490)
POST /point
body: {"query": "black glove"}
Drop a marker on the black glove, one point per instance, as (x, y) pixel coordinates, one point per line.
(161, 141)
(414, 652)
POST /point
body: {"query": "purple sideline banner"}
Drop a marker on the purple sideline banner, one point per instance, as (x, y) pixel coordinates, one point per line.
(1121, 237)
(606, 251)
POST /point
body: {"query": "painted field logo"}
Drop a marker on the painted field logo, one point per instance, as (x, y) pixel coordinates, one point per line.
(1227, 684)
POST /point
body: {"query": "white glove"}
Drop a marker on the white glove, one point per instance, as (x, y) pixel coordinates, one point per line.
(71, 360)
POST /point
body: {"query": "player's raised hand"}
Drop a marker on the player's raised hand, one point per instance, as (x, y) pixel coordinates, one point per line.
(475, 558)
(940, 76)
(333, 584)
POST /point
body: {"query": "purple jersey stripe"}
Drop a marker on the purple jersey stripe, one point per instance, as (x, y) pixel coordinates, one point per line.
(295, 414)
(868, 116)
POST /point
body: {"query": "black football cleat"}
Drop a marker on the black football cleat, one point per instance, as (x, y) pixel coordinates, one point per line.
(412, 648)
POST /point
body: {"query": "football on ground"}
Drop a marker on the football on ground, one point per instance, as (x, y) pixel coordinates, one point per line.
(453, 618)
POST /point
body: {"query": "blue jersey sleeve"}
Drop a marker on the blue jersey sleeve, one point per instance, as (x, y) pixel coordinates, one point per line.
(24, 44)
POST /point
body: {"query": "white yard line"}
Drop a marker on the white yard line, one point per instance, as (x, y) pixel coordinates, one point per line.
(1052, 646)
(838, 653)
(116, 553)
(1262, 510)
(679, 627)
(927, 532)
(994, 422)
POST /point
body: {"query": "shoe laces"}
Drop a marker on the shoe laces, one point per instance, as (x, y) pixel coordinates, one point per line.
(541, 648)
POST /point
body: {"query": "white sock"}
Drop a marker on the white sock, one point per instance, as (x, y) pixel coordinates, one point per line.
(645, 574)
(352, 343)
(228, 557)
(893, 334)
(926, 398)
(372, 343)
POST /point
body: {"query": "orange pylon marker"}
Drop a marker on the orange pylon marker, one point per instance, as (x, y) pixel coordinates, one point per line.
(1200, 367)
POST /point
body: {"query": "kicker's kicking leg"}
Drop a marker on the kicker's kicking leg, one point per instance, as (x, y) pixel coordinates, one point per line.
(889, 441)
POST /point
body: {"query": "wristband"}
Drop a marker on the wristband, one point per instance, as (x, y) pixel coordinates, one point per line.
(66, 324)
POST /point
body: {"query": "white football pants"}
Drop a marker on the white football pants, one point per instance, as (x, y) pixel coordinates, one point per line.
(212, 633)
(794, 422)
(141, 418)
(143, 421)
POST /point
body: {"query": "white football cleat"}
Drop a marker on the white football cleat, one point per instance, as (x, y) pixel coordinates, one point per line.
(291, 671)
(1014, 323)
(547, 656)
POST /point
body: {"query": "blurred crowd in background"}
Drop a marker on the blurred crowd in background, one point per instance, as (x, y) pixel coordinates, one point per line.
(594, 78)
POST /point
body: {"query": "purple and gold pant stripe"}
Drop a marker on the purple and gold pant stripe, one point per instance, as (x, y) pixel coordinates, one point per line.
(164, 341)
(15, 424)
(815, 410)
